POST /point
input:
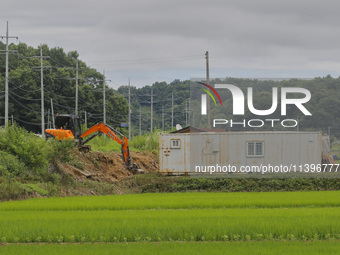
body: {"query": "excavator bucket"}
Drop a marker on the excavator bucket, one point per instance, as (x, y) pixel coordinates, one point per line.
(138, 171)
(134, 169)
(84, 148)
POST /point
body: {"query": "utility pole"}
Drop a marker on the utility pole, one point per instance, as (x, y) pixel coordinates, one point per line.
(85, 119)
(53, 123)
(42, 94)
(77, 88)
(189, 113)
(172, 110)
(151, 128)
(6, 74)
(76, 108)
(48, 119)
(208, 81)
(162, 118)
(129, 112)
(186, 114)
(140, 120)
(42, 89)
(104, 99)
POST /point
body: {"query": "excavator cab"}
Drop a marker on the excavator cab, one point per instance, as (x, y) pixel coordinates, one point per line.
(67, 127)
(69, 122)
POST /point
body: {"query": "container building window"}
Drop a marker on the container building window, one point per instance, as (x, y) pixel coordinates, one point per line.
(255, 149)
(175, 144)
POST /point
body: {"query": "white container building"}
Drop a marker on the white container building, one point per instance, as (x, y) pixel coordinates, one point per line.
(181, 153)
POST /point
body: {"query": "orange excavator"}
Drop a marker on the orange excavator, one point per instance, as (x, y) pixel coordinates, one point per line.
(68, 127)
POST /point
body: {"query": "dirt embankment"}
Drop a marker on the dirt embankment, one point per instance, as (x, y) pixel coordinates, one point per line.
(107, 167)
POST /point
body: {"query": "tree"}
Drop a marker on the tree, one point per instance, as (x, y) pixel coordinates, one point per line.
(59, 85)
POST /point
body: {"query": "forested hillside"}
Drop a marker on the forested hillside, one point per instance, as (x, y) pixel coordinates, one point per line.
(323, 105)
(59, 85)
(165, 96)
(170, 101)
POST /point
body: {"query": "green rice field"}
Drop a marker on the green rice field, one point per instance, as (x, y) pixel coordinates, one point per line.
(254, 248)
(300, 222)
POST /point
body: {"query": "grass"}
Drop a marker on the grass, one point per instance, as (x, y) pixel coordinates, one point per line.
(268, 247)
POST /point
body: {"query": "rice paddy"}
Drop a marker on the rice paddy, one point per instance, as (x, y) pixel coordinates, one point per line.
(178, 220)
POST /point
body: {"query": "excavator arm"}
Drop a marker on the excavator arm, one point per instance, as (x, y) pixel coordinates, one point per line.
(112, 133)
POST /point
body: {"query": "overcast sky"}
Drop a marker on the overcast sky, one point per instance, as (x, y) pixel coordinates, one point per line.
(154, 40)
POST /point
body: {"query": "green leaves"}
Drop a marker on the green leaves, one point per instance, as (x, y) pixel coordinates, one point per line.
(26, 155)
(32, 151)
(10, 165)
(59, 85)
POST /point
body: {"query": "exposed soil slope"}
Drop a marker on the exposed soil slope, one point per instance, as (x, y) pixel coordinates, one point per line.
(107, 167)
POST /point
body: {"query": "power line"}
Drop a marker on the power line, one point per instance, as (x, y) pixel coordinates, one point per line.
(42, 90)
(27, 108)
(27, 122)
(76, 79)
(27, 91)
(29, 99)
(62, 106)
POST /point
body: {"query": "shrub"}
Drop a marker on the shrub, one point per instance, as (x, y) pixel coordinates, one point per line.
(10, 165)
(31, 150)
(61, 151)
(23, 154)
(11, 190)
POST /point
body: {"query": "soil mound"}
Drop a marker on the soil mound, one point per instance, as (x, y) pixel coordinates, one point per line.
(107, 167)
